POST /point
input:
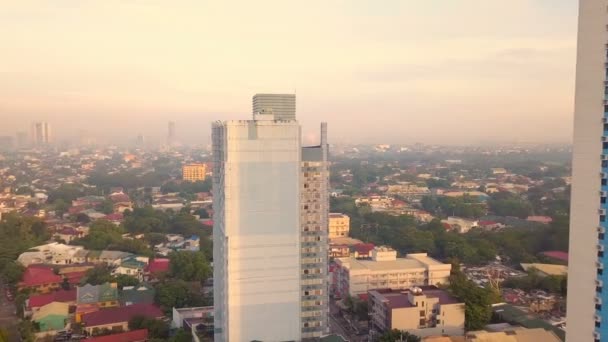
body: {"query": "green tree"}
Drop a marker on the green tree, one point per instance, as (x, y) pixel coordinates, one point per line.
(398, 335)
(510, 207)
(60, 206)
(177, 294)
(189, 266)
(66, 192)
(18, 234)
(26, 330)
(478, 301)
(156, 328)
(97, 275)
(182, 336)
(123, 280)
(107, 207)
(12, 272)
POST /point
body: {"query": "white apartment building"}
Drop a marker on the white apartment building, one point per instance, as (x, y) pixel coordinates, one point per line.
(53, 253)
(270, 243)
(385, 270)
(459, 224)
(339, 225)
(588, 263)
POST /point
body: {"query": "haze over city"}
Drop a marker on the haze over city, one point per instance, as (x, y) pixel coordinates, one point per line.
(405, 71)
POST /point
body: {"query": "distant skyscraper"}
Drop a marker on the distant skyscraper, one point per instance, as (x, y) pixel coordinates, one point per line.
(171, 133)
(587, 318)
(41, 133)
(270, 231)
(140, 140)
(283, 106)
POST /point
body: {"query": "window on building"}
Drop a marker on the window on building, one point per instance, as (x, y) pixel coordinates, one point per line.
(421, 313)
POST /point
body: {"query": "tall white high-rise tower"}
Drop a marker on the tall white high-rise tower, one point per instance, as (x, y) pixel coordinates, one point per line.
(587, 318)
(270, 230)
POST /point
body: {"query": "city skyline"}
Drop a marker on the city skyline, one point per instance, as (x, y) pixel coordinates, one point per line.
(435, 72)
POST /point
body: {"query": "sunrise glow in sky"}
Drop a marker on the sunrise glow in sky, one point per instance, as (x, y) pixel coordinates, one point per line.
(377, 71)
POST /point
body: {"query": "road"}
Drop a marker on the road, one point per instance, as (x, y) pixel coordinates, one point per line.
(8, 320)
(338, 325)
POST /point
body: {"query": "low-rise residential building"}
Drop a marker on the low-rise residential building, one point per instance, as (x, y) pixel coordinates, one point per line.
(362, 250)
(339, 225)
(90, 298)
(180, 316)
(117, 319)
(540, 219)
(133, 266)
(339, 250)
(110, 258)
(375, 201)
(518, 334)
(197, 320)
(53, 253)
(140, 294)
(52, 316)
(67, 234)
(40, 279)
(120, 202)
(408, 190)
(466, 185)
(140, 335)
(156, 267)
(36, 301)
(546, 269)
(423, 311)
(176, 242)
(459, 224)
(480, 196)
(385, 270)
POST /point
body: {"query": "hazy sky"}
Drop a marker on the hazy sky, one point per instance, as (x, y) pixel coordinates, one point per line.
(460, 71)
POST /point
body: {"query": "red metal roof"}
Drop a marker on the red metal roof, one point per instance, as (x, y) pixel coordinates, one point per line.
(36, 301)
(559, 255)
(114, 217)
(486, 223)
(37, 275)
(158, 265)
(121, 314)
(75, 277)
(129, 336)
(119, 197)
(364, 248)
